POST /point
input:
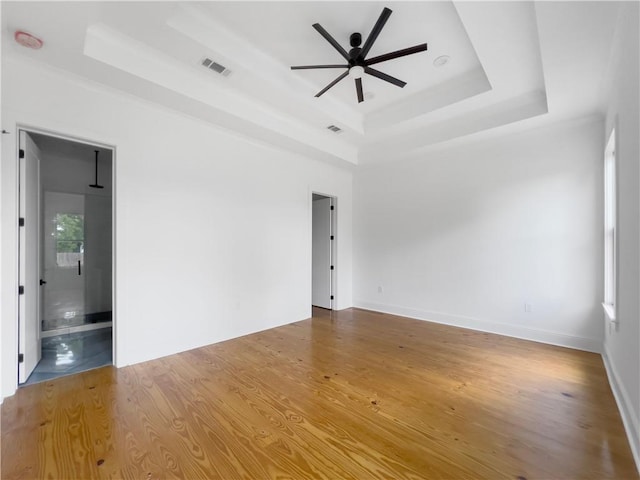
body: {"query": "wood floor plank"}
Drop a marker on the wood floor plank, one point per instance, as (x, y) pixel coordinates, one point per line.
(350, 395)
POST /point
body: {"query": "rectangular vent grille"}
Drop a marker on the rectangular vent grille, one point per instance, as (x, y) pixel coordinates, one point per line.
(216, 67)
(334, 129)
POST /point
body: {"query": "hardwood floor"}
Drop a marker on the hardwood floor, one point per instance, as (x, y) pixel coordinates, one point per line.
(346, 395)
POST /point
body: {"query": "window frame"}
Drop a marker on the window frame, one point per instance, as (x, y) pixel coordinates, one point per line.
(610, 227)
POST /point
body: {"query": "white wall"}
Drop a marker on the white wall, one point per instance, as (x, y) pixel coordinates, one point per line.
(470, 235)
(213, 232)
(622, 344)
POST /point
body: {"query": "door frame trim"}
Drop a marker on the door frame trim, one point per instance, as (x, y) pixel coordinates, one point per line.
(334, 246)
(20, 127)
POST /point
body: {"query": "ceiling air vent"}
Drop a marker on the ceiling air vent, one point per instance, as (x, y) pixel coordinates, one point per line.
(216, 67)
(334, 129)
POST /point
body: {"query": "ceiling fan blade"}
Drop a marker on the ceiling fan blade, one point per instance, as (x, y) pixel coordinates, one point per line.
(359, 90)
(308, 67)
(397, 54)
(384, 76)
(377, 28)
(332, 83)
(331, 40)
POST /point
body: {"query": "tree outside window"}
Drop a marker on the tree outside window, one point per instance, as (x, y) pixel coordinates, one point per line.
(69, 239)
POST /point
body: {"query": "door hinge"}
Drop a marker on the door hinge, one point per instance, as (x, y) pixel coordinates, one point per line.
(21, 290)
(331, 207)
(21, 153)
(21, 222)
(331, 267)
(331, 238)
(331, 297)
(21, 358)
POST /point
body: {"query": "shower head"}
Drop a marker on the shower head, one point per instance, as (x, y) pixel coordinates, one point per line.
(96, 185)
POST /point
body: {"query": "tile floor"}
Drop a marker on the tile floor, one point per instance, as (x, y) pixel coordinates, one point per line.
(73, 353)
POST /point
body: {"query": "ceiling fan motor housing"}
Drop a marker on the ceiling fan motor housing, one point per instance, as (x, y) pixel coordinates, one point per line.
(355, 58)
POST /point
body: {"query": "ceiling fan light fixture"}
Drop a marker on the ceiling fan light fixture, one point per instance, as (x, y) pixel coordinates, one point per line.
(356, 71)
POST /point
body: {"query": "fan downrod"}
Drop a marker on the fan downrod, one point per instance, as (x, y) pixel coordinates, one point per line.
(355, 39)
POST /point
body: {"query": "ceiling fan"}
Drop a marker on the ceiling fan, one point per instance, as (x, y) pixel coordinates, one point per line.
(358, 64)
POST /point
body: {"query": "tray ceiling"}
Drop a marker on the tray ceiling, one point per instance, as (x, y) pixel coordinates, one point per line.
(511, 63)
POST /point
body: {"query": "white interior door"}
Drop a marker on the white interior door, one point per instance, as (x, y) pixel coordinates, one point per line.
(321, 255)
(64, 272)
(29, 270)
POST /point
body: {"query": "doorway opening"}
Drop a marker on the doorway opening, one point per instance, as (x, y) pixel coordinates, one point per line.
(323, 240)
(66, 256)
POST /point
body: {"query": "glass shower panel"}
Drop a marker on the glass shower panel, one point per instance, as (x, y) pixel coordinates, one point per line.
(98, 249)
(63, 260)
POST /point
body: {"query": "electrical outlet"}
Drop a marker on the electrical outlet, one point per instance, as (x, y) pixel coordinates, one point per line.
(528, 308)
(380, 289)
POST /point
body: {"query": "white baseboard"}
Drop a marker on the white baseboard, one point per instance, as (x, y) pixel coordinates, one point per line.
(629, 417)
(517, 331)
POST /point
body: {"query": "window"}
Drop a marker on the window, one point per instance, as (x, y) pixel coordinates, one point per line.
(69, 239)
(609, 303)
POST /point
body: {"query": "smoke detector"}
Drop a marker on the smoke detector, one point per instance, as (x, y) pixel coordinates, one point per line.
(441, 61)
(27, 40)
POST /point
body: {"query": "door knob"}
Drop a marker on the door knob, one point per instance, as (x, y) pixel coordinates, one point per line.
(42, 282)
